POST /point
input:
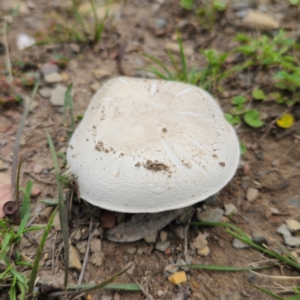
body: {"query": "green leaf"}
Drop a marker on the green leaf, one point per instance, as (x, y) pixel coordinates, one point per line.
(187, 4)
(26, 200)
(258, 94)
(38, 254)
(238, 100)
(62, 209)
(220, 5)
(252, 118)
(50, 202)
(294, 2)
(231, 119)
(267, 292)
(243, 148)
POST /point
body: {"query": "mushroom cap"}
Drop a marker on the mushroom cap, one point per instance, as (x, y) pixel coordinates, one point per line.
(152, 145)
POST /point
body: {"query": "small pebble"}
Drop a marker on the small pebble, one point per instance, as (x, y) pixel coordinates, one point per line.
(258, 238)
(210, 215)
(294, 202)
(150, 239)
(160, 23)
(246, 169)
(100, 74)
(181, 262)
(239, 244)
(257, 20)
(163, 236)
(179, 231)
(95, 245)
(199, 242)
(131, 250)
(45, 92)
(35, 192)
(170, 269)
(160, 293)
(77, 235)
(178, 277)
(292, 241)
(168, 251)
(229, 209)
(205, 251)
(74, 262)
(282, 229)
(162, 246)
(38, 169)
(58, 95)
(95, 87)
(274, 210)
(53, 78)
(292, 225)
(252, 194)
(47, 69)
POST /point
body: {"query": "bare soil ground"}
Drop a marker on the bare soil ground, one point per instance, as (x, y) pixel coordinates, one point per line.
(268, 158)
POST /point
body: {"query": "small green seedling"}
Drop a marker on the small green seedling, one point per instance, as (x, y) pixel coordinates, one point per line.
(258, 94)
(207, 12)
(69, 119)
(294, 2)
(207, 78)
(275, 55)
(80, 30)
(13, 264)
(239, 110)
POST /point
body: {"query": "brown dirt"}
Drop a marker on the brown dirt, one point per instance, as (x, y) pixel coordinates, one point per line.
(136, 28)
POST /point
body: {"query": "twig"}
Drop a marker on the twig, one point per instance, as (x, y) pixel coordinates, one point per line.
(87, 252)
(52, 253)
(186, 228)
(147, 295)
(119, 58)
(271, 124)
(16, 147)
(7, 53)
(38, 179)
(276, 277)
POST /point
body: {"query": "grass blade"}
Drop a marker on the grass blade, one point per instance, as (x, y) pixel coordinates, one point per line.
(16, 147)
(89, 289)
(38, 253)
(26, 199)
(131, 287)
(68, 110)
(267, 292)
(244, 238)
(224, 268)
(62, 210)
(182, 55)
(160, 63)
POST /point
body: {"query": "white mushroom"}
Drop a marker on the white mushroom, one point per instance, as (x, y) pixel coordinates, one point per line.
(152, 145)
